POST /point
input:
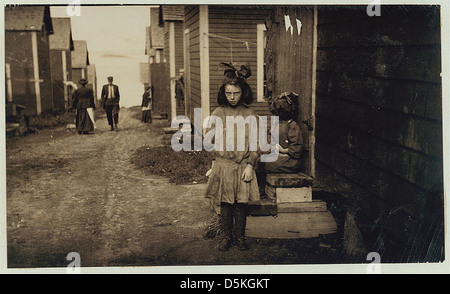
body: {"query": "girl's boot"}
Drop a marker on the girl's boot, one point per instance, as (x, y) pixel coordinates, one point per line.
(240, 217)
(226, 216)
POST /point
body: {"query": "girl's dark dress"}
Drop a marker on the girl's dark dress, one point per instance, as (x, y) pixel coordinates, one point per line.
(83, 98)
(290, 138)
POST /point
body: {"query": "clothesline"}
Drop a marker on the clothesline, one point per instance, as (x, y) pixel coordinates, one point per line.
(246, 43)
(230, 39)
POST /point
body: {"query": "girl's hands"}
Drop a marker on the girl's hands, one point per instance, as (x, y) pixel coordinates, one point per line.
(247, 175)
(282, 150)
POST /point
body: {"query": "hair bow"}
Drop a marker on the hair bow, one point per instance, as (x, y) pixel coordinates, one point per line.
(243, 73)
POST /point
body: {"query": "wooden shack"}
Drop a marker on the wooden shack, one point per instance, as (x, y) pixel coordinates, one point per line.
(378, 125)
(157, 73)
(215, 34)
(171, 19)
(80, 61)
(27, 56)
(61, 47)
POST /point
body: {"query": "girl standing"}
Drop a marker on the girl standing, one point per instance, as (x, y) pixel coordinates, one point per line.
(232, 182)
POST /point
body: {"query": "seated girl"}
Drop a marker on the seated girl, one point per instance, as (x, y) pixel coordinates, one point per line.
(290, 135)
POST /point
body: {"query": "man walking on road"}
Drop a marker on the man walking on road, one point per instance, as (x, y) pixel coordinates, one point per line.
(110, 102)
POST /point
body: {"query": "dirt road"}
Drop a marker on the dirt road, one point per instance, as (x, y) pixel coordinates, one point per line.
(80, 193)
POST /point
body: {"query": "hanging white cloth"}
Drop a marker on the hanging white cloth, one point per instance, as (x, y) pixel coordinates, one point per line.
(90, 112)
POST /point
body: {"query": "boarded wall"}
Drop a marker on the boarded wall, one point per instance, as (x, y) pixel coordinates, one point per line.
(379, 124)
(21, 64)
(289, 64)
(58, 77)
(193, 97)
(22, 72)
(161, 88)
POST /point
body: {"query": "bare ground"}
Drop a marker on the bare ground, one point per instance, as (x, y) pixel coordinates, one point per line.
(80, 193)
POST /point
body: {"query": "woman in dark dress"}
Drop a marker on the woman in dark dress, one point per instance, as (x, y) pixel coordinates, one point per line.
(147, 105)
(83, 102)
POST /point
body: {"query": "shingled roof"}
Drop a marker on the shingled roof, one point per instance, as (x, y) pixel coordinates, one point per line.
(61, 39)
(172, 12)
(80, 56)
(28, 18)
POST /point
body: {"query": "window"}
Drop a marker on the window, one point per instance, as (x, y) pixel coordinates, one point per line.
(261, 72)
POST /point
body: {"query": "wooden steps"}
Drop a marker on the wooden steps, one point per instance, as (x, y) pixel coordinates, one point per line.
(291, 225)
(289, 211)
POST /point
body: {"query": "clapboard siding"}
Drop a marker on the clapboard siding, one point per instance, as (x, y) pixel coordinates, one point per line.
(378, 116)
(179, 50)
(192, 24)
(45, 71)
(238, 23)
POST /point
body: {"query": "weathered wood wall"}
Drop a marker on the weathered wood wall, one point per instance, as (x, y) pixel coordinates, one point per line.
(21, 64)
(57, 77)
(161, 88)
(22, 73)
(289, 64)
(379, 124)
(45, 71)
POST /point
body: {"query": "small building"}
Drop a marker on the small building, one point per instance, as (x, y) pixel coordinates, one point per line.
(80, 61)
(158, 74)
(166, 58)
(27, 57)
(61, 47)
(172, 17)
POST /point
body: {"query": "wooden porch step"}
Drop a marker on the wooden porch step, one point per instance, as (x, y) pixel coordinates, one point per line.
(289, 180)
(291, 225)
(266, 207)
(263, 207)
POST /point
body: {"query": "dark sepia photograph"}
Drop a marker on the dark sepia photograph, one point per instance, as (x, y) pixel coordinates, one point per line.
(183, 138)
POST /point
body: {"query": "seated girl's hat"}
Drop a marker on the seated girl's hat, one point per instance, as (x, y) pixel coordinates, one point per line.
(83, 82)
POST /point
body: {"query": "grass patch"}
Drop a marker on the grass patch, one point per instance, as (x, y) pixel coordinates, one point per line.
(182, 167)
(51, 120)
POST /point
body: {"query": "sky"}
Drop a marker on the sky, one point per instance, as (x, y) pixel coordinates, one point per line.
(115, 38)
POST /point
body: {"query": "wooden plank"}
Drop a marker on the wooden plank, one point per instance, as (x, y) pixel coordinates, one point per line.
(412, 132)
(293, 195)
(412, 166)
(368, 203)
(377, 31)
(419, 63)
(289, 180)
(388, 187)
(311, 206)
(291, 225)
(404, 97)
(264, 207)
